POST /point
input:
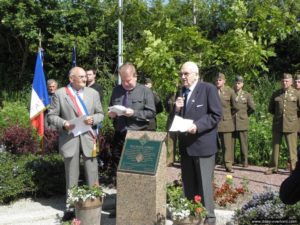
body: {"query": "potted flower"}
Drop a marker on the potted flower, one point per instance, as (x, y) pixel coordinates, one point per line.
(88, 203)
(182, 210)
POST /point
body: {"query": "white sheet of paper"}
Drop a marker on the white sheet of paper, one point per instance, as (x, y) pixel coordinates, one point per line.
(180, 124)
(80, 126)
(119, 109)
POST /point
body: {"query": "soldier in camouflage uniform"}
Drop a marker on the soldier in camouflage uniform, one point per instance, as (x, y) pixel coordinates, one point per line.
(225, 126)
(284, 105)
(245, 106)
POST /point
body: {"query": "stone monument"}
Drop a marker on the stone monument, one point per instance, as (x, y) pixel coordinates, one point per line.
(141, 179)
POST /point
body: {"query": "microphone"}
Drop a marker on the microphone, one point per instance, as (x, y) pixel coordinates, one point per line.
(180, 95)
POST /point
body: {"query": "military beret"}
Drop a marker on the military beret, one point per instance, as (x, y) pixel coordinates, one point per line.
(221, 76)
(287, 76)
(239, 79)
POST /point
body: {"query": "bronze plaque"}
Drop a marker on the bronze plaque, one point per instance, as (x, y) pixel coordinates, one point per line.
(140, 156)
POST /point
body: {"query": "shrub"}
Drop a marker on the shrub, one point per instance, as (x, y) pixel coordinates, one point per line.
(15, 179)
(266, 207)
(19, 140)
(227, 193)
(47, 174)
(50, 141)
(30, 175)
(14, 112)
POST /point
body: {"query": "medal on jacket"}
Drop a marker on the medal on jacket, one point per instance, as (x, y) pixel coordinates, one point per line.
(94, 152)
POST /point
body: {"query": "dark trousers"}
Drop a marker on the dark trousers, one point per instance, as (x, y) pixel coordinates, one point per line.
(197, 177)
(118, 142)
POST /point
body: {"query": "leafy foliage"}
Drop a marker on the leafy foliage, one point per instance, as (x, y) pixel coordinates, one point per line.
(50, 141)
(84, 192)
(15, 180)
(265, 207)
(47, 173)
(19, 140)
(227, 193)
(23, 175)
(14, 112)
(180, 207)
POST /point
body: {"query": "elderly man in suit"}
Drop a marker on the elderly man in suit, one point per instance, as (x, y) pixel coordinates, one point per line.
(76, 100)
(198, 145)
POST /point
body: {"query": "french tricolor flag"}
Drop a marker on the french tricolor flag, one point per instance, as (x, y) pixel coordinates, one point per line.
(39, 96)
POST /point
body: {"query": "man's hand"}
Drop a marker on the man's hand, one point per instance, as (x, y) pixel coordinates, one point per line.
(129, 112)
(179, 103)
(112, 114)
(69, 126)
(89, 120)
(192, 129)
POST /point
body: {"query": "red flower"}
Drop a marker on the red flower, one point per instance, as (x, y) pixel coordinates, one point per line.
(76, 221)
(197, 198)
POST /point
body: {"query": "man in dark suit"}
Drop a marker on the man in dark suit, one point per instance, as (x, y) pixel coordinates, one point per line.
(76, 100)
(198, 146)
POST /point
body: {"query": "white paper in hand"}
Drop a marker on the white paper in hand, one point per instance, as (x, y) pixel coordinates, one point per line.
(80, 126)
(119, 109)
(180, 124)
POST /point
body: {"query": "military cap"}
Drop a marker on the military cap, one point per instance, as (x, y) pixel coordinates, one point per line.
(221, 76)
(239, 79)
(297, 75)
(148, 80)
(287, 76)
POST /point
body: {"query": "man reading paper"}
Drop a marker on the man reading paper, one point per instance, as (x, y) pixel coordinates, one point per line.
(76, 100)
(198, 146)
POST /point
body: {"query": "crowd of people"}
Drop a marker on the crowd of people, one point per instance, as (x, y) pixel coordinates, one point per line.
(220, 116)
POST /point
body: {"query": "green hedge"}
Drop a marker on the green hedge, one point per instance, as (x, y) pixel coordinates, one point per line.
(30, 175)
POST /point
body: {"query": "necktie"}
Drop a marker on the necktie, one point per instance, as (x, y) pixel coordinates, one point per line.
(185, 95)
(125, 99)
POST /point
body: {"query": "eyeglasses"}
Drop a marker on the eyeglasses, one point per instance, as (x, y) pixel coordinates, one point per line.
(297, 81)
(186, 74)
(80, 76)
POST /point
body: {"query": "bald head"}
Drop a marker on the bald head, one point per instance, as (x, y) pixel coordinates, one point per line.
(192, 67)
(77, 77)
(189, 73)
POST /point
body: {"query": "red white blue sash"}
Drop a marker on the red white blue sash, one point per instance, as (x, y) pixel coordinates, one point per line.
(79, 105)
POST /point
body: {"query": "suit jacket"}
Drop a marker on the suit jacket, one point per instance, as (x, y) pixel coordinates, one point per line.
(284, 107)
(204, 108)
(245, 106)
(63, 109)
(227, 97)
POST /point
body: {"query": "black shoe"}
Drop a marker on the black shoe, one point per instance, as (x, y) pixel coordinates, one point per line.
(68, 215)
(229, 170)
(270, 171)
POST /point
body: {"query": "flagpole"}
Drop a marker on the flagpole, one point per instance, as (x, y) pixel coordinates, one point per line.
(120, 40)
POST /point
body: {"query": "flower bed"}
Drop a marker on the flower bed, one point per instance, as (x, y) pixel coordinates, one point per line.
(180, 207)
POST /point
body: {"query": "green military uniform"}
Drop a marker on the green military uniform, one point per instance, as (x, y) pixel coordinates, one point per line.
(226, 126)
(284, 105)
(245, 106)
(297, 78)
